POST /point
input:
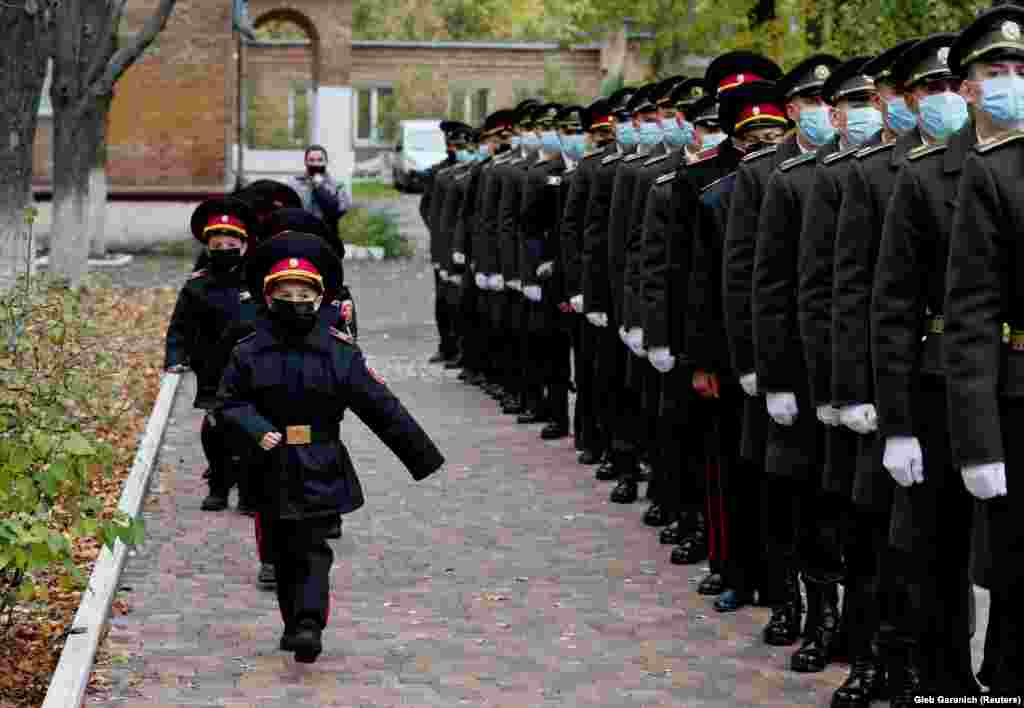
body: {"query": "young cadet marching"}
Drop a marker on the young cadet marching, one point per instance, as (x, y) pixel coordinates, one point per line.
(752, 115)
(639, 381)
(451, 191)
(211, 301)
(913, 409)
(616, 406)
(673, 475)
(428, 208)
(666, 156)
(870, 603)
(802, 520)
(982, 303)
(546, 358)
(596, 123)
(287, 387)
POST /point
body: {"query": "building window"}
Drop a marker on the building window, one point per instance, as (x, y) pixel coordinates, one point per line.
(458, 101)
(45, 107)
(480, 106)
(374, 105)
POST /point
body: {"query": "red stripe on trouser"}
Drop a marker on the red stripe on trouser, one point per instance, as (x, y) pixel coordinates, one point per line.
(259, 537)
(712, 540)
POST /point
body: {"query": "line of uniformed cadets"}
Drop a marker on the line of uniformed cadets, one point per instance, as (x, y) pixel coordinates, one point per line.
(749, 272)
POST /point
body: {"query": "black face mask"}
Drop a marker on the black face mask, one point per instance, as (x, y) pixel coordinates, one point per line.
(294, 317)
(225, 259)
(503, 147)
(316, 169)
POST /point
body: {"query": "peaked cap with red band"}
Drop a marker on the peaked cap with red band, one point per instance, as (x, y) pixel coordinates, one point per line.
(597, 115)
(497, 122)
(293, 256)
(736, 68)
(226, 217)
(758, 104)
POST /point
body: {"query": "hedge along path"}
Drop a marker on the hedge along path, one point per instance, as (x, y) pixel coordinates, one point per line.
(69, 681)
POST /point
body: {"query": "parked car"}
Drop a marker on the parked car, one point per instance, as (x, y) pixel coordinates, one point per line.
(420, 146)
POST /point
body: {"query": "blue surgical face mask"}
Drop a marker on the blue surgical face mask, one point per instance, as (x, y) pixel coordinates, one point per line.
(515, 141)
(531, 141)
(484, 150)
(678, 135)
(1002, 98)
(815, 125)
(900, 118)
(650, 133)
(625, 134)
(549, 142)
(573, 146)
(463, 155)
(711, 140)
(942, 114)
(862, 123)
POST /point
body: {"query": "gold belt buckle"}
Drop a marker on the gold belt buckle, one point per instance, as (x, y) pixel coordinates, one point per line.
(1017, 340)
(298, 435)
(936, 325)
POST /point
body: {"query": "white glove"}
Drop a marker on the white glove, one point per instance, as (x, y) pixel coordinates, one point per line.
(437, 266)
(661, 359)
(985, 481)
(532, 293)
(749, 383)
(545, 269)
(829, 415)
(598, 319)
(444, 274)
(455, 279)
(458, 258)
(860, 418)
(177, 369)
(624, 336)
(481, 281)
(782, 407)
(496, 282)
(635, 341)
(516, 285)
(903, 460)
(318, 179)
(576, 301)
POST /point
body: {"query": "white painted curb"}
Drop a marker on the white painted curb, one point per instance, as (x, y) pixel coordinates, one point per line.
(69, 681)
(116, 260)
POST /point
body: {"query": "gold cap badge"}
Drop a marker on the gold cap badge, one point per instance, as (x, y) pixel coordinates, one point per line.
(224, 219)
(757, 110)
(822, 72)
(293, 263)
(943, 55)
(1011, 30)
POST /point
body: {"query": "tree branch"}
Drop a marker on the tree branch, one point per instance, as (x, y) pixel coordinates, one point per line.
(110, 26)
(126, 56)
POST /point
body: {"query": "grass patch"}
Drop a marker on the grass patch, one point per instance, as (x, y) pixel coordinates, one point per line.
(373, 190)
(379, 228)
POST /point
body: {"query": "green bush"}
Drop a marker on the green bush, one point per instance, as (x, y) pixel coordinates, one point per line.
(379, 228)
(49, 451)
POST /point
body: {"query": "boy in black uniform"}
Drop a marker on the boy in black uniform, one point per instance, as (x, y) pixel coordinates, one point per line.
(287, 387)
(213, 300)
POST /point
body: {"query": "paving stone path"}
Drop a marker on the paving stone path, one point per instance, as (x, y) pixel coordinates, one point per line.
(507, 580)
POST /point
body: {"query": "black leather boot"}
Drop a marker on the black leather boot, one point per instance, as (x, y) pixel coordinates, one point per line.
(783, 629)
(606, 470)
(674, 533)
(904, 675)
(306, 643)
(866, 683)
(655, 515)
(554, 431)
(694, 547)
(589, 457)
(815, 654)
(625, 492)
(216, 500)
(711, 584)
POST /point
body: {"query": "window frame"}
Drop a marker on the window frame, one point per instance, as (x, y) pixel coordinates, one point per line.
(374, 88)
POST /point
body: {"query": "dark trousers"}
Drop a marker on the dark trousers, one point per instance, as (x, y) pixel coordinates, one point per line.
(741, 514)
(302, 561)
(442, 315)
(618, 405)
(867, 600)
(585, 422)
(550, 365)
(469, 331)
(680, 446)
(227, 452)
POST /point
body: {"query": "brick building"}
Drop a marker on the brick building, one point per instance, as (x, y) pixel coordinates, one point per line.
(174, 121)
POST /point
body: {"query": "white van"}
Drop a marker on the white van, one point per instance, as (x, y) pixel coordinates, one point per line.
(420, 146)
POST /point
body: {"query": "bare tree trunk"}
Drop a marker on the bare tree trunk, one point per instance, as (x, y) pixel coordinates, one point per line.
(73, 153)
(23, 55)
(98, 185)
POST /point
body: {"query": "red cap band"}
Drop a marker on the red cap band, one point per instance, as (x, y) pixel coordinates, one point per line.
(225, 222)
(730, 82)
(761, 111)
(293, 269)
(603, 121)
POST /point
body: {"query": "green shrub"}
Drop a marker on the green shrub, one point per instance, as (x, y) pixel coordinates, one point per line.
(378, 228)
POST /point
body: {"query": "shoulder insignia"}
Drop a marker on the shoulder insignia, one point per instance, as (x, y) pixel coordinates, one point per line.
(922, 150)
(798, 160)
(374, 375)
(592, 153)
(633, 157)
(840, 155)
(338, 334)
(244, 296)
(665, 178)
(463, 175)
(760, 153)
(554, 181)
(569, 170)
(609, 159)
(246, 338)
(1004, 140)
(656, 160)
(871, 150)
(708, 187)
(198, 274)
(336, 303)
(705, 154)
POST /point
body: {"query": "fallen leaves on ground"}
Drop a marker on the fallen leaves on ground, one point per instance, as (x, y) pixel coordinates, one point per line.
(132, 323)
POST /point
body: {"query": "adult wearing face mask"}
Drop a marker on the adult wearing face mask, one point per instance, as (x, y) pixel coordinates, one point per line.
(805, 535)
(983, 378)
(597, 125)
(211, 301)
(321, 194)
(911, 376)
(673, 485)
(873, 580)
(616, 407)
(751, 114)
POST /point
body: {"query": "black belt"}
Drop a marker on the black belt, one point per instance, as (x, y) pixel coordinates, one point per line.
(309, 434)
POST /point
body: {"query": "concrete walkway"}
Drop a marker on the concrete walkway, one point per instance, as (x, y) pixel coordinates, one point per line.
(505, 580)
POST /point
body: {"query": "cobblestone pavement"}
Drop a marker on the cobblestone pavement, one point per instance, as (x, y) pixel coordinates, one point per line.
(506, 580)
